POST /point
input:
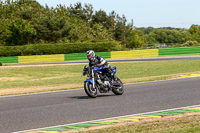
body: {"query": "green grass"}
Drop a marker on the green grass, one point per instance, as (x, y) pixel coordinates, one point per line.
(157, 68)
(40, 76)
(186, 124)
(16, 77)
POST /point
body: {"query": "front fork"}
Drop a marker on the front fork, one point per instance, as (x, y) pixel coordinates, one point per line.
(93, 85)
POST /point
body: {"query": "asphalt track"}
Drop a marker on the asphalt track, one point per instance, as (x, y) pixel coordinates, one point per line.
(26, 112)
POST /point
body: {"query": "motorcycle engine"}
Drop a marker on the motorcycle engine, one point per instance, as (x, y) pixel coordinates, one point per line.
(104, 85)
(107, 84)
(104, 88)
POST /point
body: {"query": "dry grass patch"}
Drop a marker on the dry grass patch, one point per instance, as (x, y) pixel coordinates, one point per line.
(5, 79)
(34, 89)
(162, 77)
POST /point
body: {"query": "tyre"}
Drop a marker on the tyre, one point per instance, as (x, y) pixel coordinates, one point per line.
(119, 90)
(89, 90)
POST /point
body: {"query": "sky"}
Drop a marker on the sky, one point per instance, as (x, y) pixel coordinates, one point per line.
(145, 13)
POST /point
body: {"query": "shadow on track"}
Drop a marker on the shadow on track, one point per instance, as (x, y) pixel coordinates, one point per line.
(86, 97)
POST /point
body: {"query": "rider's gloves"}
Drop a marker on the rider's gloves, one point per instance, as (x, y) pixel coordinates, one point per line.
(84, 73)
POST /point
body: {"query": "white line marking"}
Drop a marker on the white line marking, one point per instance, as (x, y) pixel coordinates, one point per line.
(107, 119)
(83, 88)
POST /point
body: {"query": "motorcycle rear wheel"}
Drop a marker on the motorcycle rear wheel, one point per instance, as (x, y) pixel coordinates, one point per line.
(118, 90)
(89, 90)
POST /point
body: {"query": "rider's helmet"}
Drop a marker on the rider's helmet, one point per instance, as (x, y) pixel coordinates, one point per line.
(90, 55)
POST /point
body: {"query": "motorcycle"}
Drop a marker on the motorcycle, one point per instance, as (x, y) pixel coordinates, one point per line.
(104, 83)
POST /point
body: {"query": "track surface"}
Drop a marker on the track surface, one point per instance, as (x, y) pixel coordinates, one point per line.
(50, 109)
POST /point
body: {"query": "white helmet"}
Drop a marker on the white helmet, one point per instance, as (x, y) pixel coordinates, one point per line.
(90, 54)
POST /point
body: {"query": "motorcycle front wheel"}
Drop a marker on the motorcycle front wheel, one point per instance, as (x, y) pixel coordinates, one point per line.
(89, 90)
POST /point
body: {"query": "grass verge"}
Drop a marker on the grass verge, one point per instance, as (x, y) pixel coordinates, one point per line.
(32, 79)
(188, 123)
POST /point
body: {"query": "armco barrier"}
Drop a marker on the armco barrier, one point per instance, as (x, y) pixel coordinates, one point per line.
(13, 59)
(41, 58)
(75, 56)
(134, 54)
(106, 55)
(82, 56)
(179, 51)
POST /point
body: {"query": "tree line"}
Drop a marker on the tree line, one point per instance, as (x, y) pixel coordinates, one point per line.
(25, 22)
(170, 35)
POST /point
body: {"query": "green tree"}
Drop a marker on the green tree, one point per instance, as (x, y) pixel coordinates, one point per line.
(85, 13)
(4, 25)
(101, 33)
(135, 39)
(80, 32)
(194, 29)
(50, 26)
(100, 17)
(167, 36)
(195, 33)
(147, 30)
(20, 32)
(26, 21)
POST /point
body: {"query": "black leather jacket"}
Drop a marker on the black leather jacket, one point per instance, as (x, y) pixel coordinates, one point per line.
(98, 61)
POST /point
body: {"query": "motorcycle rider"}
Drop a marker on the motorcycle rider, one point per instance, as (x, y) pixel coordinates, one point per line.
(98, 61)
